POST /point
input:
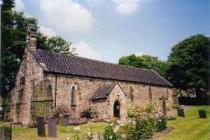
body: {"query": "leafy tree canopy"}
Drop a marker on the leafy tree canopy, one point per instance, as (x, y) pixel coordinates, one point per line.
(14, 26)
(145, 61)
(189, 64)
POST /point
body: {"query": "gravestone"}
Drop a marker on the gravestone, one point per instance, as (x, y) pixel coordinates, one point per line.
(202, 114)
(40, 126)
(6, 133)
(164, 110)
(52, 129)
(180, 112)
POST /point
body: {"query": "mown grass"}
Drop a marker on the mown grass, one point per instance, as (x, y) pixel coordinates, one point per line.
(191, 127)
(63, 133)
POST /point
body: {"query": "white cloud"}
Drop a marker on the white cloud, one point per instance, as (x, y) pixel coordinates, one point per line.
(126, 7)
(47, 31)
(84, 50)
(19, 6)
(66, 15)
(94, 3)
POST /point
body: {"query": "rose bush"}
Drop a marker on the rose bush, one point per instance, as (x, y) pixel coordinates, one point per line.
(142, 124)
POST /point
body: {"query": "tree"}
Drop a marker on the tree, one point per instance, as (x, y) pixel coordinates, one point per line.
(14, 26)
(132, 60)
(55, 44)
(145, 61)
(9, 60)
(188, 69)
(59, 45)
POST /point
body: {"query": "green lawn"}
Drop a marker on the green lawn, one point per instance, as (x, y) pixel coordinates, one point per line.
(191, 127)
(63, 133)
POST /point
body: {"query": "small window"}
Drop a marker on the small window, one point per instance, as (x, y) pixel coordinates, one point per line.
(73, 96)
(20, 95)
(150, 93)
(131, 93)
(22, 80)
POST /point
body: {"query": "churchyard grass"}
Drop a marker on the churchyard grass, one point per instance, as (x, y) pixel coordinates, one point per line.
(64, 133)
(191, 127)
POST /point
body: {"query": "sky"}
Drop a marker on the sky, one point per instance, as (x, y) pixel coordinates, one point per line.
(109, 29)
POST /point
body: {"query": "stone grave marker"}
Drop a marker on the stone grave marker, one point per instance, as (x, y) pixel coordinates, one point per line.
(5, 133)
(52, 129)
(180, 112)
(40, 126)
(202, 114)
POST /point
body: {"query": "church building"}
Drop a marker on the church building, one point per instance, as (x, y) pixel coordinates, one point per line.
(47, 80)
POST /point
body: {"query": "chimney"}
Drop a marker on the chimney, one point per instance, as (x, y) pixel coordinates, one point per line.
(31, 37)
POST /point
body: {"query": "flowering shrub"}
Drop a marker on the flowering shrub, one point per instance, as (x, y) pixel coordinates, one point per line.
(161, 124)
(144, 128)
(133, 112)
(89, 113)
(141, 125)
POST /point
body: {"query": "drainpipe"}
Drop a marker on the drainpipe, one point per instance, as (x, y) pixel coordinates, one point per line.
(56, 77)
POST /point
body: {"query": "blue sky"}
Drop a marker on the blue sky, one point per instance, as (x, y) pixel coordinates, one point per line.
(109, 29)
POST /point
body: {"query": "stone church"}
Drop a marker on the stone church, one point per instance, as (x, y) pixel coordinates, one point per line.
(46, 80)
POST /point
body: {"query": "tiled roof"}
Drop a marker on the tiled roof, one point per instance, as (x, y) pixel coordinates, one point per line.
(102, 92)
(74, 65)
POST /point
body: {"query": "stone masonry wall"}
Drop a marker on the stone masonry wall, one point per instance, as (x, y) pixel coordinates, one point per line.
(29, 74)
(85, 88)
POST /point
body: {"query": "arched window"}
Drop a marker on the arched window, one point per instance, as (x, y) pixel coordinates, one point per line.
(73, 96)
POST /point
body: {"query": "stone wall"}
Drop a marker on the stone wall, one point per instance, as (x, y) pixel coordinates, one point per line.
(42, 101)
(29, 74)
(136, 94)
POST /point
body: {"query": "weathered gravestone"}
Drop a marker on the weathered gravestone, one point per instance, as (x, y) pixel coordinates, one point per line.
(202, 114)
(40, 126)
(164, 110)
(5, 133)
(52, 130)
(180, 112)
